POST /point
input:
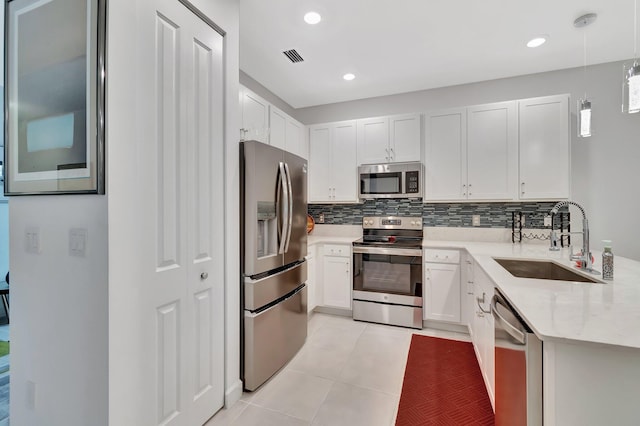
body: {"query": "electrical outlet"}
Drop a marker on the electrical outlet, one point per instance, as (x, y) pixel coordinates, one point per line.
(547, 221)
(523, 221)
(475, 220)
(321, 218)
(31, 395)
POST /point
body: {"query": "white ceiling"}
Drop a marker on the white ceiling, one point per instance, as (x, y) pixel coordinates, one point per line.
(396, 46)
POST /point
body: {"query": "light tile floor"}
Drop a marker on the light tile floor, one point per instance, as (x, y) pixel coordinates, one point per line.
(347, 373)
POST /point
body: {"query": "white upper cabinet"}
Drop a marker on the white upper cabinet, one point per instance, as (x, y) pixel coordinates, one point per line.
(332, 163)
(373, 141)
(445, 154)
(472, 153)
(264, 122)
(277, 128)
(389, 139)
(286, 133)
(319, 163)
(404, 134)
(255, 116)
(492, 151)
(544, 148)
(295, 140)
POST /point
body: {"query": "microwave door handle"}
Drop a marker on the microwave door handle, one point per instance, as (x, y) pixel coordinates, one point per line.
(289, 208)
(281, 200)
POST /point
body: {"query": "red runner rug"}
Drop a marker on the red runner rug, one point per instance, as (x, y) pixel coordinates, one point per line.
(443, 385)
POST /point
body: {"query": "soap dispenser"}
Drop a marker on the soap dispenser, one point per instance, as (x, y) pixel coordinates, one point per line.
(607, 261)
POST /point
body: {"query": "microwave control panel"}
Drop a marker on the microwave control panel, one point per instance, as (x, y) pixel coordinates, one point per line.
(411, 182)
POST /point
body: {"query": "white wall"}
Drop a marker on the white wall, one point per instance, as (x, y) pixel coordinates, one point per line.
(604, 169)
(66, 311)
(59, 317)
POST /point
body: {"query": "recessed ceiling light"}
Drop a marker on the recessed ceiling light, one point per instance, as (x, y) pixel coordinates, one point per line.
(312, 18)
(538, 41)
(348, 76)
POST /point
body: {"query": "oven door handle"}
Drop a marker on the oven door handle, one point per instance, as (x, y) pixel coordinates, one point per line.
(387, 251)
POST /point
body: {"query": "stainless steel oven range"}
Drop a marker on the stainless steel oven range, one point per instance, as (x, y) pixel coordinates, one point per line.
(387, 271)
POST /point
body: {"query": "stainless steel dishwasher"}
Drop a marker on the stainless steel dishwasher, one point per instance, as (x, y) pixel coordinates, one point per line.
(518, 368)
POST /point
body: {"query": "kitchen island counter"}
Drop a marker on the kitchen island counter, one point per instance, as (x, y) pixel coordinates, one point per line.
(606, 313)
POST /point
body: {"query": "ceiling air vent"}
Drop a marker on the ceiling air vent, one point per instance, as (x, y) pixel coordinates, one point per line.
(293, 55)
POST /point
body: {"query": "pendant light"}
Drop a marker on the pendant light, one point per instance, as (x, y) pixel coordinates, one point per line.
(631, 73)
(583, 112)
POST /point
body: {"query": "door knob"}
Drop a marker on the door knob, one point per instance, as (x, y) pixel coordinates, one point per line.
(204, 276)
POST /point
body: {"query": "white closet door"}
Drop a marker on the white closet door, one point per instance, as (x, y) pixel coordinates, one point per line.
(181, 181)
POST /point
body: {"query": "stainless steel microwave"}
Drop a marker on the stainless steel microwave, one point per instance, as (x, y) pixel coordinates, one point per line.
(392, 180)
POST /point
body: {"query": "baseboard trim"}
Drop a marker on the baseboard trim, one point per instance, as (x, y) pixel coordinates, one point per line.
(233, 394)
(333, 311)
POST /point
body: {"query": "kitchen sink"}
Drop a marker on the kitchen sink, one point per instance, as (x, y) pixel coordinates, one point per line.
(541, 269)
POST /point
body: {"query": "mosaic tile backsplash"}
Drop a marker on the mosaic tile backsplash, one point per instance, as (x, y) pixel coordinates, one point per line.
(492, 215)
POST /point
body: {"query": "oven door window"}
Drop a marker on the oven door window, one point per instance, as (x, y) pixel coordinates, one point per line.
(388, 274)
(380, 183)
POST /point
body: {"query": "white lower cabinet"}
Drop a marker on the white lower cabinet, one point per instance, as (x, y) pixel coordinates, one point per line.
(590, 384)
(467, 296)
(335, 278)
(442, 285)
(482, 331)
(312, 286)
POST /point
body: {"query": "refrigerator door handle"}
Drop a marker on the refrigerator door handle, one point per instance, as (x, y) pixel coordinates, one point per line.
(282, 203)
(289, 219)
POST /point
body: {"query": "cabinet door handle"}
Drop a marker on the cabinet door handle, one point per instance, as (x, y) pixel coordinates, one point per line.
(522, 188)
(393, 154)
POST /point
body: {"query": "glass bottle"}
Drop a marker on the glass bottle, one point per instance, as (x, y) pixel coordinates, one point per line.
(607, 261)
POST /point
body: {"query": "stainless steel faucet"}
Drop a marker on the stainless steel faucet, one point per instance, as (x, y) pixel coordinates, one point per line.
(584, 256)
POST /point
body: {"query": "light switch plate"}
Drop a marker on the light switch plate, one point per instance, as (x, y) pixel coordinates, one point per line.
(32, 240)
(547, 221)
(78, 242)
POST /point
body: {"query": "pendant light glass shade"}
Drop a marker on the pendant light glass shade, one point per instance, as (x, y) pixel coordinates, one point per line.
(631, 87)
(583, 112)
(584, 118)
(631, 73)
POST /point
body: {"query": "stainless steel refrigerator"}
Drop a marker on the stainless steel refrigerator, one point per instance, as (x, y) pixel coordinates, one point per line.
(273, 247)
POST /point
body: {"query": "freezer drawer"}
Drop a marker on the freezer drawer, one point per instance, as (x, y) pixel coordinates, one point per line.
(262, 291)
(273, 337)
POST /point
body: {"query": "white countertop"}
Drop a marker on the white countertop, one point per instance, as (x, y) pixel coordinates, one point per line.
(324, 239)
(603, 313)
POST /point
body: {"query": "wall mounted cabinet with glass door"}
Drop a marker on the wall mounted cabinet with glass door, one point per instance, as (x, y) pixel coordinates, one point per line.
(472, 153)
(391, 139)
(332, 163)
(544, 147)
